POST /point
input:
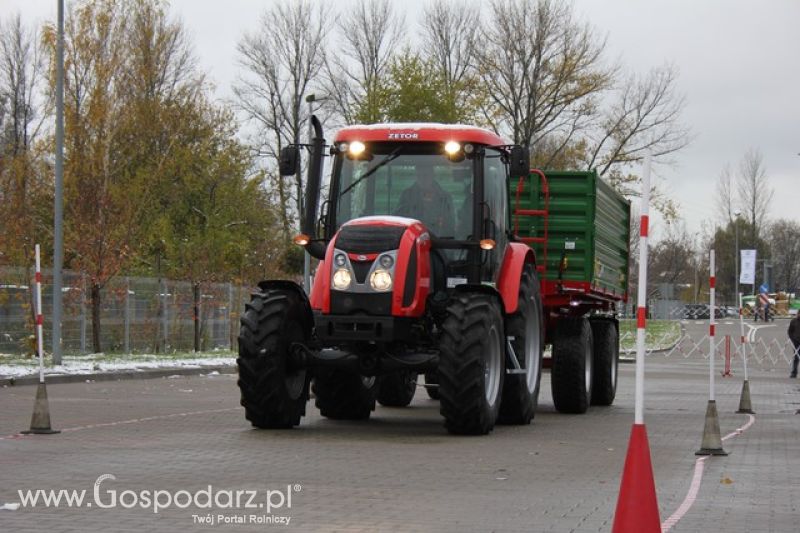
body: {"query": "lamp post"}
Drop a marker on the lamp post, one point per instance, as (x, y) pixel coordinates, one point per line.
(736, 259)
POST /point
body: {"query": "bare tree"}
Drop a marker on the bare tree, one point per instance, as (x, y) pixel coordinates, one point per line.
(784, 241)
(368, 39)
(543, 69)
(644, 118)
(725, 201)
(21, 76)
(755, 193)
(672, 257)
(449, 36)
(23, 113)
(281, 60)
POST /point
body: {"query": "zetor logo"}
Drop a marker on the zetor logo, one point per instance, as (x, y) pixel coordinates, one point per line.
(404, 136)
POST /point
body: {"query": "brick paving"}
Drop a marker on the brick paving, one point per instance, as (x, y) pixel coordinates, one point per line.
(400, 471)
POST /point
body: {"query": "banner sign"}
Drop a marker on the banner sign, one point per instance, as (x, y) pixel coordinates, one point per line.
(748, 274)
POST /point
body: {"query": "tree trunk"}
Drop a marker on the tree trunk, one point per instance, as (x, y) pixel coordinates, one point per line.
(96, 347)
(196, 316)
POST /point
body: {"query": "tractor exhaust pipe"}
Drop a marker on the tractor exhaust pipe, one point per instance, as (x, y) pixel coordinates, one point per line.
(315, 248)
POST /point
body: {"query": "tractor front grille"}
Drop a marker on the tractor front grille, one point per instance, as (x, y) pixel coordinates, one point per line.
(363, 239)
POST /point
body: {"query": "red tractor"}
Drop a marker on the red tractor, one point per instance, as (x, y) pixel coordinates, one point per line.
(419, 273)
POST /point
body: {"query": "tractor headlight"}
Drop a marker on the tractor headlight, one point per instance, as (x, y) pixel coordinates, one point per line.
(342, 279)
(340, 260)
(380, 280)
(386, 261)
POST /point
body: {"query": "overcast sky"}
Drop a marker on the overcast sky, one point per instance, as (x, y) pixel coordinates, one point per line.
(738, 60)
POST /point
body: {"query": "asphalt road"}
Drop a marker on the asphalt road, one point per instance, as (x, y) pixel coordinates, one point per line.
(399, 471)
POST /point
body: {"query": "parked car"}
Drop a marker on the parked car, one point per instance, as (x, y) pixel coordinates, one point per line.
(700, 312)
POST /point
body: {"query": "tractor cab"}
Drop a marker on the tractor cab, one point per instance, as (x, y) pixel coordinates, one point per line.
(413, 211)
(417, 274)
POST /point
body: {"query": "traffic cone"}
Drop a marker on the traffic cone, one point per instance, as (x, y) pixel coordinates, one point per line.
(637, 506)
(744, 400)
(40, 421)
(712, 442)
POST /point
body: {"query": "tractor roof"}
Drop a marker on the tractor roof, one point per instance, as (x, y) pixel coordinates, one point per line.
(419, 132)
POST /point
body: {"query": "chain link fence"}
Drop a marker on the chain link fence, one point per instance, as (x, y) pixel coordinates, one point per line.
(137, 315)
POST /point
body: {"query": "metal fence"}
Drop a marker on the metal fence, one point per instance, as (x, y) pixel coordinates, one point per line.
(137, 315)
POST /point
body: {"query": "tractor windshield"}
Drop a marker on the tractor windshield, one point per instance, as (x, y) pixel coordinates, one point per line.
(414, 180)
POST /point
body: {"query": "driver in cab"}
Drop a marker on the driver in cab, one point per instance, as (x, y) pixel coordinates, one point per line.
(427, 202)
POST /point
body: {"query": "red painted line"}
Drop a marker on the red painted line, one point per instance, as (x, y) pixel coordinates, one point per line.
(641, 318)
(691, 496)
(125, 422)
(38, 277)
(697, 478)
(713, 282)
(751, 420)
(711, 329)
(644, 226)
(39, 320)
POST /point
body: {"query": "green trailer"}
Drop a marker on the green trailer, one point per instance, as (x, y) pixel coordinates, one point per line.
(579, 227)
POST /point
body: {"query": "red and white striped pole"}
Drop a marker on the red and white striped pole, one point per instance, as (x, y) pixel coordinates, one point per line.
(40, 420)
(745, 405)
(712, 441)
(637, 506)
(743, 339)
(39, 316)
(641, 296)
(712, 326)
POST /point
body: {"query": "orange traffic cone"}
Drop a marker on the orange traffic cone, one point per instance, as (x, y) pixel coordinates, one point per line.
(637, 506)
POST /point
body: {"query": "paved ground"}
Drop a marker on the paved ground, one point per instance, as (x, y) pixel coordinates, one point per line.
(399, 471)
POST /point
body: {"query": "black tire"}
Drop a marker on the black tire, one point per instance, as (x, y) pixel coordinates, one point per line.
(397, 390)
(431, 378)
(471, 347)
(343, 395)
(521, 391)
(605, 332)
(572, 354)
(272, 393)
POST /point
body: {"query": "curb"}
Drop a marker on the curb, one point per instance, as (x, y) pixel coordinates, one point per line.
(117, 376)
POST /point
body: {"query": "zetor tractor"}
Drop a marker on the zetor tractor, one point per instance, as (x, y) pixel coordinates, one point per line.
(419, 273)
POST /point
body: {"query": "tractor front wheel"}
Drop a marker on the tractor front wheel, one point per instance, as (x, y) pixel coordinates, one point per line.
(471, 364)
(273, 392)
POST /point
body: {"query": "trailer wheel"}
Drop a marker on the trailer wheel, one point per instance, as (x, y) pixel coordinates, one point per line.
(605, 332)
(521, 391)
(471, 364)
(572, 365)
(432, 378)
(343, 395)
(273, 394)
(397, 389)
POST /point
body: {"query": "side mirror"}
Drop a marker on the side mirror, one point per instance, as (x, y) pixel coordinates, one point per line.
(519, 162)
(288, 160)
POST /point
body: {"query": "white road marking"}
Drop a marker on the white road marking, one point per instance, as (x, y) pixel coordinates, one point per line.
(751, 334)
(697, 478)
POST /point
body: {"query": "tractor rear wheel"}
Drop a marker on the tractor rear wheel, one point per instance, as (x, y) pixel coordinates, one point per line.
(572, 365)
(397, 389)
(605, 332)
(273, 393)
(521, 391)
(471, 364)
(432, 385)
(343, 395)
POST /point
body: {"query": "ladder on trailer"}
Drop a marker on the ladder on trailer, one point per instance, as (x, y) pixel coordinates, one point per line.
(537, 213)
